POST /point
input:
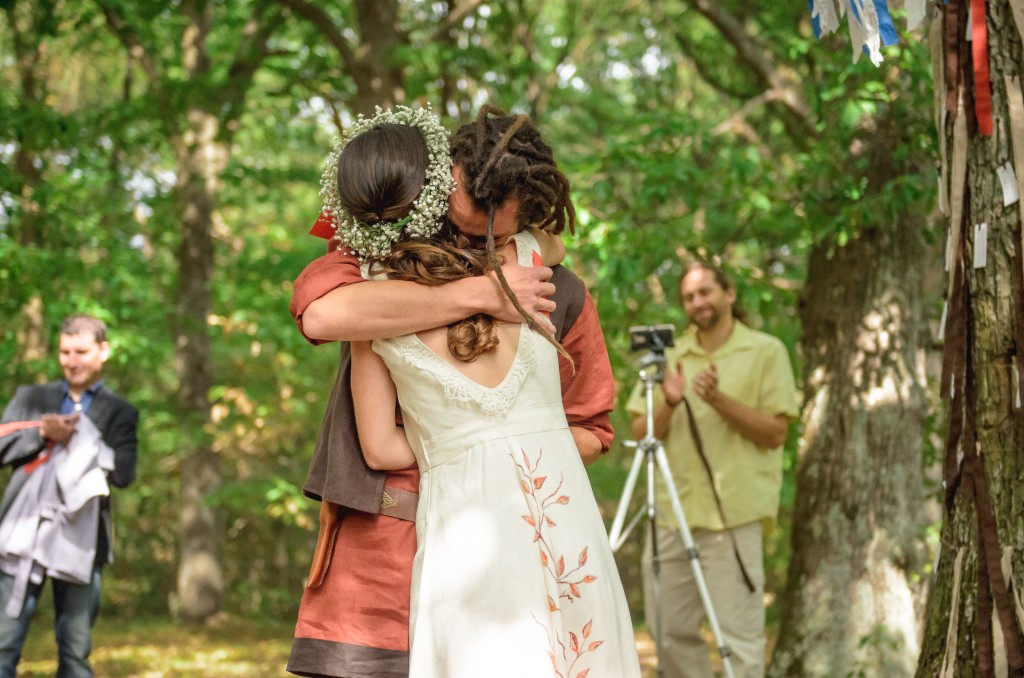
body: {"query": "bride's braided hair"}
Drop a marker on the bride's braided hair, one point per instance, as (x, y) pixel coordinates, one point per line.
(450, 256)
(507, 159)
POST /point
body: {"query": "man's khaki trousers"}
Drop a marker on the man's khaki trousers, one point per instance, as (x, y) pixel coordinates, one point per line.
(740, 613)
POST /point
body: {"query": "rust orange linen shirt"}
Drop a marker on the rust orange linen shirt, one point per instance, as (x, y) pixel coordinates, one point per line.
(588, 395)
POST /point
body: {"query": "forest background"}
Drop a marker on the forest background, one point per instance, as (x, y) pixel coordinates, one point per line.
(160, 165)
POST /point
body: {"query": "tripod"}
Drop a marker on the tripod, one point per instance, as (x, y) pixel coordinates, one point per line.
(650, 453)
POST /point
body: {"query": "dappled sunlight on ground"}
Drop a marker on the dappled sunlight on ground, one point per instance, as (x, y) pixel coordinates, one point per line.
(157, 648)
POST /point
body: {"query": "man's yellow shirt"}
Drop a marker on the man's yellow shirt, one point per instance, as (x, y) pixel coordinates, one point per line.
(754, 368)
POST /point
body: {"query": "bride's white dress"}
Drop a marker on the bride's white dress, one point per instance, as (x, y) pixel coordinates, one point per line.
(513, 573)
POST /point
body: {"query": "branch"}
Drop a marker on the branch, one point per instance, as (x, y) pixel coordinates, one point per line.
(705, 73)
(324, 24)
(455, 16)
(251, 51)
(132, 44)
(751, 52)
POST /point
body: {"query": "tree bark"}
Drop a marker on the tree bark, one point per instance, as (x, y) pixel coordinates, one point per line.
(974, 624)
(200, 158)
(28, 49)
(851, 602)
(200, 570)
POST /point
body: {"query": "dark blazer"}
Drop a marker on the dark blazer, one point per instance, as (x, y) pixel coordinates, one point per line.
(338, 473)
(115, 418)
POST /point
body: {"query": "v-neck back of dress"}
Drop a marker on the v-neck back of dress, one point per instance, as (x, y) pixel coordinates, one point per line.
(515, 357)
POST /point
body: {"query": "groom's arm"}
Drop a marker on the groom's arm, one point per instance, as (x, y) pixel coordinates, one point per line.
(588, 395)
(328, 306)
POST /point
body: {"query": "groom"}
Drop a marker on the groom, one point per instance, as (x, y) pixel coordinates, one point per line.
(525, 187)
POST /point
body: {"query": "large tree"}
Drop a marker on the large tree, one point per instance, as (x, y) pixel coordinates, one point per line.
(975, 615)
(199, 102)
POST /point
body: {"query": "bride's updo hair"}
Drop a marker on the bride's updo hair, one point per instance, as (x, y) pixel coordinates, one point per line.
(381, 172)
(380, 175)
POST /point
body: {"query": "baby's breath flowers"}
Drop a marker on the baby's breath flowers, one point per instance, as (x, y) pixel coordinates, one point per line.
(374, 241)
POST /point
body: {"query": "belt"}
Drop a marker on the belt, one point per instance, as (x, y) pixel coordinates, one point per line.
(401, 504)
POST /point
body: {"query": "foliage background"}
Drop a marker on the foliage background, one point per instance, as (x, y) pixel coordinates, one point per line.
(656, 120)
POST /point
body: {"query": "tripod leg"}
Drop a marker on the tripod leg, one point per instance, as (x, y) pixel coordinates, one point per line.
(652, 524)
(691, 549)
(615, 535)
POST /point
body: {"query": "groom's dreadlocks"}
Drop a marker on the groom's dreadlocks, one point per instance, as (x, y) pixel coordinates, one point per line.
(503, 157)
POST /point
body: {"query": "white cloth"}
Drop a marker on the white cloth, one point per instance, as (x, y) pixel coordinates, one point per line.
(862, 20)
(513, 575)
(52, 524)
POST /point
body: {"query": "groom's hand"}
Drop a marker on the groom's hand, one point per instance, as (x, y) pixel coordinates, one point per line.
(532, 289)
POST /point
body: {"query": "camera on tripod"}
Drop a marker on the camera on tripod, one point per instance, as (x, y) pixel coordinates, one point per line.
(654, 339)
(651, 337)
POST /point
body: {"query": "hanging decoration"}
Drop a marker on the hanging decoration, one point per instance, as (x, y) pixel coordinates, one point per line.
(869, 21)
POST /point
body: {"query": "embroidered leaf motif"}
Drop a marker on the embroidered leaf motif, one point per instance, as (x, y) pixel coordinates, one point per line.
(529, 521)
(583, 556)
(539, 482)
(549, 522)
(575, 590)
(551, 605)
(561, 566)
(526, 488)
(536, 536)
(562, 500)
(594, 645)
(543, 558)
(589, 579)
(586, 629)
(574, 642)
(583, 673)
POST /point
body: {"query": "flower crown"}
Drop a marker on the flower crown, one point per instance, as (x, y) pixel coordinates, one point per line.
(374, 241)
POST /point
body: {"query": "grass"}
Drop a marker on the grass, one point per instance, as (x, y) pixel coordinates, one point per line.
(159, 648)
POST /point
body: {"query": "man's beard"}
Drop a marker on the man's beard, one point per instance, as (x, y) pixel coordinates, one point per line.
(708, 322)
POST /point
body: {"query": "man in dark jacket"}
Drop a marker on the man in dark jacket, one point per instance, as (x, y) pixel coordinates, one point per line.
(39, 419)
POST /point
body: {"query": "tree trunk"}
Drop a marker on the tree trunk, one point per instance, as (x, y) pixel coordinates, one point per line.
(200, 159)
(851, 599)
(850, 603)
(974, 624)
(24, 21)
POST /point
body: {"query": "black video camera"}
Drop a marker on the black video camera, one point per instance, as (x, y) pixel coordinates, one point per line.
(651, 338)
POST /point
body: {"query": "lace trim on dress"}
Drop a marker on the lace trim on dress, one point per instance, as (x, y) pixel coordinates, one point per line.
(459, 387)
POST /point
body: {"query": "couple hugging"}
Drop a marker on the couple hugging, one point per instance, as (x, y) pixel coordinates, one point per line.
(459, 535)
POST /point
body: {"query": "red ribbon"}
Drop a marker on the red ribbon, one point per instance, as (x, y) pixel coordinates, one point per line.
(14, 426)
(37, 462)
(979, 55)
(323, 228)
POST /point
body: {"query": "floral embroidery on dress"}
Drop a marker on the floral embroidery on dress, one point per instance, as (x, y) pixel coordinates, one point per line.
(568, 582)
